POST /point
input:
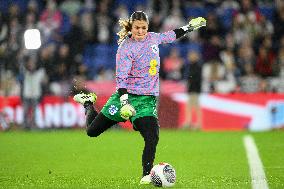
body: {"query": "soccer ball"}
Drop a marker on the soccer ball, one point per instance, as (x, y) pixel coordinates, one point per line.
(163, 175)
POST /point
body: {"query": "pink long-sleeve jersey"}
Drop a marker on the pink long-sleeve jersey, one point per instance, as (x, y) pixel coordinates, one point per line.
(138, 63)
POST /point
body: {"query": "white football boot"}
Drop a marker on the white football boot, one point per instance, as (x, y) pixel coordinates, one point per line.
(82, 98)
(146, 179)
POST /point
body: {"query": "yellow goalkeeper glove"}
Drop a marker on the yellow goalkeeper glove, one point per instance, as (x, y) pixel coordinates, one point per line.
(196, 23)
(126, 110)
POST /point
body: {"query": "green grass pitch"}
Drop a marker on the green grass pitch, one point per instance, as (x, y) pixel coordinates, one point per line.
(70, 159)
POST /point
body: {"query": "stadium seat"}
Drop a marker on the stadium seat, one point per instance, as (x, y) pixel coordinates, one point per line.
(99, 55)
(164, 50)
(267, 11)
(195, 12)
(226, 17)
(4, 6)
(101, 49)
(185, 48)
(65, 26)
(131, 4)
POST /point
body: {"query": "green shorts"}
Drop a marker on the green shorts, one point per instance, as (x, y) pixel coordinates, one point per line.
(144, 106)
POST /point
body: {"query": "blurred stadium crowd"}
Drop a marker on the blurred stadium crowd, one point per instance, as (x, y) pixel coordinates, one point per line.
(240, 50)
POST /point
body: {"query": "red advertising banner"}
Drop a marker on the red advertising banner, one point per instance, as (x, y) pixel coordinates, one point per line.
(259, 111)
(256, 112)
(52, 112)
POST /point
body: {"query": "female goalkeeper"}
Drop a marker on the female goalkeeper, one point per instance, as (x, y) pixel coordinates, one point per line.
(137, 79)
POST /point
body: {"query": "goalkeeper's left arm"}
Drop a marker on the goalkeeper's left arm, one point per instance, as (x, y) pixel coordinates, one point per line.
(193, 24)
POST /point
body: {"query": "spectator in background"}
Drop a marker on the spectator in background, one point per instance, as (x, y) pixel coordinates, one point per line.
(212, 73)
(172, 66)
(238, 29)
(249, 9)
(79, 80)
(104, 74)
(281, 42)
(30, 21)
(50, 20)
(173, 20)
(229, 83)
(160, 8)
(3, 32)
(87, 6)
(139, 6)
(279, 64)
(214, 27)
(63, 58)
(104, 23)
(212, 49)
(60, 84)
(250, 83)
(267, 43)
(14, 13)
(8, 84)
(278, 23)
(229, 42)
(13, 46)
(157, 11)
(3, 45)
(230, 4)
(88, 27)
(245, 55)
(264, 27)
(70, 7)
(15, 29)
(34, 78)
(246, 21)
(213, 69)
(156, 23)
(212, 4)
(82, 70)
(121, 12)
(193, 76)
(264, 62)
(74, 39)
(48, 62)
(32, 8)
(277, 83)
(79, 85)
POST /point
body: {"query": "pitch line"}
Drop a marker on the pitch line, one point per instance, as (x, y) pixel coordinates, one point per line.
(258, 178)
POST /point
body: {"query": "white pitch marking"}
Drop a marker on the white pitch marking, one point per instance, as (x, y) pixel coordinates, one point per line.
(258, 178)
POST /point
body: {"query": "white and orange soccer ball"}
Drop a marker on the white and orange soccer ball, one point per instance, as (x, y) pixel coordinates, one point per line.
(163, 175)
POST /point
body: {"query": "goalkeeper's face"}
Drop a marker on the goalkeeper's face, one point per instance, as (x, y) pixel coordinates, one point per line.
(139, 29)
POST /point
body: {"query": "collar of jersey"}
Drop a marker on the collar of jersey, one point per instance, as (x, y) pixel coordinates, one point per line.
(141, 40)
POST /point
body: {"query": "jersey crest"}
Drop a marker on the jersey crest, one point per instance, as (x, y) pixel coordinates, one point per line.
(155, 48)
